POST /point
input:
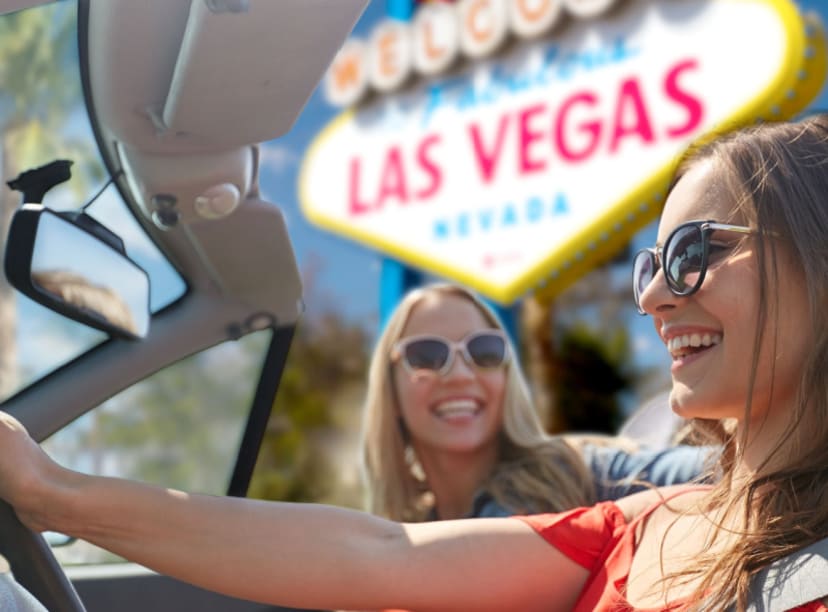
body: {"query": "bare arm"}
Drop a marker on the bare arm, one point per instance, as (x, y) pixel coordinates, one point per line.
(291, 554)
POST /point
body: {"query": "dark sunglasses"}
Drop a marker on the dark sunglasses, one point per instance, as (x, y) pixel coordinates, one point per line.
(684, 257)
(484, 349)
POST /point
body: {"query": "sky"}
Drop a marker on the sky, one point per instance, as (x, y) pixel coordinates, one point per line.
(344, 271)
(346, 274)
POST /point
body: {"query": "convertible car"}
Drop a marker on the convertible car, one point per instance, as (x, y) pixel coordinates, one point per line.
(152, 292)
(162, 291)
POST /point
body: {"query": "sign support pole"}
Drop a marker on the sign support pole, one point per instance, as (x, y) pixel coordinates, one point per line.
(400, 9)
(508, 315)
(396, 279)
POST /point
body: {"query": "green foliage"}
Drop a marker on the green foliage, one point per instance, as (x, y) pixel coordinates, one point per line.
(40, 90)
(296, 462)
(181, 427)
(39, 51)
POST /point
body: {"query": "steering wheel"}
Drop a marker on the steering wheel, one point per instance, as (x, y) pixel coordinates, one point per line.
(34, 566)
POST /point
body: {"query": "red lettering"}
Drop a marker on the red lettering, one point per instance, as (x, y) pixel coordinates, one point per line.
(527, 136)
(487, 160)
(429, 166)
(691, 104)
(591, 128)
(392, 181)
(630, 97)
(583, 126)
(355, 206)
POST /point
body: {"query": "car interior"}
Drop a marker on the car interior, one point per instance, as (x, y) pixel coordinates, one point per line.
(176, 258)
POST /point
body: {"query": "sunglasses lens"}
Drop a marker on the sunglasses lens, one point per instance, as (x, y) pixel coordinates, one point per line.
(426, 354)
(644, 268)
(487, 350)
(684, 259)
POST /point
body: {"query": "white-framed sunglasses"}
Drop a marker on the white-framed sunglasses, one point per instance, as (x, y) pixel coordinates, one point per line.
(486, 349)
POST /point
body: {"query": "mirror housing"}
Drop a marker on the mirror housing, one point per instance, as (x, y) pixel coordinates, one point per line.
(75, 266)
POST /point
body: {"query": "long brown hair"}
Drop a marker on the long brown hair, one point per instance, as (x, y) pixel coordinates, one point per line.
(534, 473)
(777, 175)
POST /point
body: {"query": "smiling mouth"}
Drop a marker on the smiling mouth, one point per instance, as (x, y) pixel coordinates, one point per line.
(692, 344)
(457, 409)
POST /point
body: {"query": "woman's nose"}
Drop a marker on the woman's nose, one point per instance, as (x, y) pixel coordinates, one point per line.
(459, 368)
(656, 296)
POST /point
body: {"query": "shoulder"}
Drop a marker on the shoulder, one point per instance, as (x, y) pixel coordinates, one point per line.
(637, 503)
(681, 497)
(598, 517)
(582, 534)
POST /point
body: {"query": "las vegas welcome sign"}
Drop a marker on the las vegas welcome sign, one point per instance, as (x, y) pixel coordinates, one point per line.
(520, 171)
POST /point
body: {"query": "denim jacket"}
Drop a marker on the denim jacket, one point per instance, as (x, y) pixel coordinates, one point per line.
(615, 472)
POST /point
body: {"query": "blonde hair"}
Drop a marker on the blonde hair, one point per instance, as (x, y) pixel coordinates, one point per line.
(534, 473)
(777, 175)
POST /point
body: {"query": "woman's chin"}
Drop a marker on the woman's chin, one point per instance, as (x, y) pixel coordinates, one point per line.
(684, 403)
(689, 404)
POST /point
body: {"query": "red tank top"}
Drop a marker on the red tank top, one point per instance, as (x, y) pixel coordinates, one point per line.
(599, 539)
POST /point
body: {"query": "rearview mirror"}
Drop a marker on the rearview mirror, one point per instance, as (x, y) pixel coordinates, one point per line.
(75, 266)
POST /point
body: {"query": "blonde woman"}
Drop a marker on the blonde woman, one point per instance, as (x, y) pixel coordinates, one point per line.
(450, 430)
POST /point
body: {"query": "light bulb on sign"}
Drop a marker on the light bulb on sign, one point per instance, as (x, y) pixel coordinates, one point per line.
(531, 18)
(346, 82)
(436, 38)
(390, 57)
(484, 26)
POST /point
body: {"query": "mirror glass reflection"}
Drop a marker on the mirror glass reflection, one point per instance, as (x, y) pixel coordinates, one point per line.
(88, 276)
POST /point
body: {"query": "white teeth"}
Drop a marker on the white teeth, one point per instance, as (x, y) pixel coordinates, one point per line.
(456, 407)
(676, 344)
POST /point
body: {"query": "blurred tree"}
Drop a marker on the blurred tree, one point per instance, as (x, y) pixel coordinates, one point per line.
(541, 361)
(39, 89)
(323, 378)
(591, 375)
(182, 426)
(577, 352)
